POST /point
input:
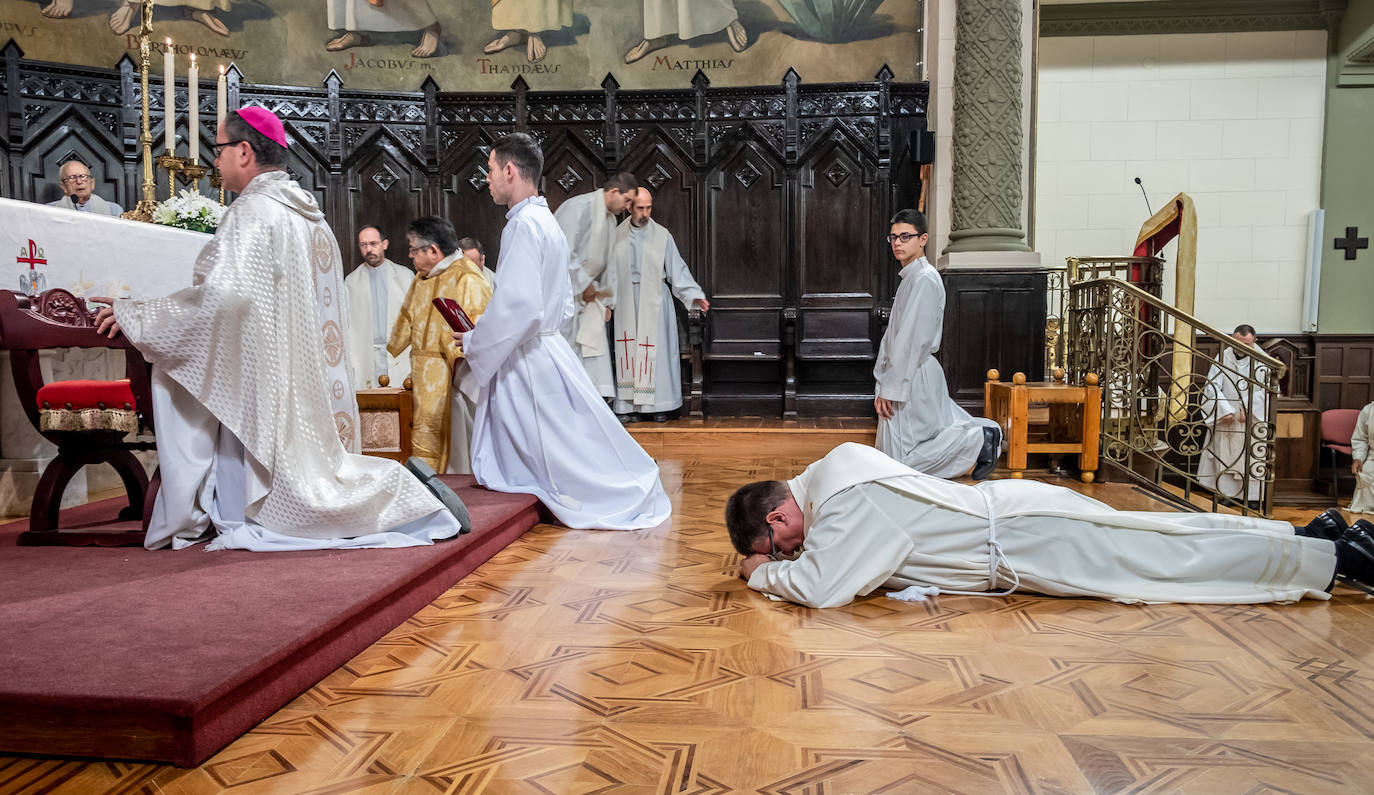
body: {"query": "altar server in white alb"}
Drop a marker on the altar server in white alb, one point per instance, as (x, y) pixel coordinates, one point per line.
(919, 424)
(588, 221)
(375, 290)
(1235, 407)
(541, 428)
(856, 520)
(647, 371)
(251, 400)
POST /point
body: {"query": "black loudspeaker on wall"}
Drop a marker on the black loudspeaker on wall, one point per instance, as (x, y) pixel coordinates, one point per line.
(921, 145)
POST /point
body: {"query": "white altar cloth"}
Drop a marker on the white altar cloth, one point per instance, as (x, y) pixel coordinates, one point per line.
(90, 255)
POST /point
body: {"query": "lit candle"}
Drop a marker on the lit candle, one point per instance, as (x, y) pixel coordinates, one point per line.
(193, 98)
(221, 97)
(169, 98)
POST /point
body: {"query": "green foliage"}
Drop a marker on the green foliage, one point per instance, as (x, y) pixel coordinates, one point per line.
(831, 20)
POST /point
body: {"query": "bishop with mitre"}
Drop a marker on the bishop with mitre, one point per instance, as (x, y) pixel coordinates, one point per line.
(252, 405)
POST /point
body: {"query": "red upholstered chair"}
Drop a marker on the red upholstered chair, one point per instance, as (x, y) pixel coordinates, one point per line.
(1338, 425)
(87, 420)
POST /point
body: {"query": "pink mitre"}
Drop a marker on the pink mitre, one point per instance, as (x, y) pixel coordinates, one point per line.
(265, 122)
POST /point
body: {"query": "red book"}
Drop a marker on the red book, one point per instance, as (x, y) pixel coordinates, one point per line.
(453, 312)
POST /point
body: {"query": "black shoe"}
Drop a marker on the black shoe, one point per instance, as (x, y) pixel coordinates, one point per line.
(1329, 524)
(987, 457)
(1365, 525)
(1355, 553)
(439, 489)
(661, 416)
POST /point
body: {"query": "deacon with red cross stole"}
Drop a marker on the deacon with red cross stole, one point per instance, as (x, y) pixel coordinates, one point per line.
(649, 272)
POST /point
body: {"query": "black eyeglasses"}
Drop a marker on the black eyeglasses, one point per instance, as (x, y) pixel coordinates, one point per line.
(904, 237)
(77, 178)
(215, 148)
(773, 553)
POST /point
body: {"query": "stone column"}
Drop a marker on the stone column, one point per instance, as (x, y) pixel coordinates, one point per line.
(988, 197)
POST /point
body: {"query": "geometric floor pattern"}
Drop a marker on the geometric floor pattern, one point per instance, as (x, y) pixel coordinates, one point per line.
(612, 662)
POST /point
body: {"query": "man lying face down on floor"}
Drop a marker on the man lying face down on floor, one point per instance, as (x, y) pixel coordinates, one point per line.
(856, 520)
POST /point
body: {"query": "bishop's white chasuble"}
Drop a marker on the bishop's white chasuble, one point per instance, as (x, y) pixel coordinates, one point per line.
(245, 363)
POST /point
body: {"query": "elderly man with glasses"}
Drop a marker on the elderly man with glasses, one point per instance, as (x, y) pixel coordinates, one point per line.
(919, 424)
(78, 191)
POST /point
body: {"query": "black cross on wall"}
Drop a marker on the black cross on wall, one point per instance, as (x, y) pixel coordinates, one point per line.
(1350, 243)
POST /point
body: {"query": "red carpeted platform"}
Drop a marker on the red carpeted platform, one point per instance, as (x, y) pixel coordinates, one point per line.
(122, 653)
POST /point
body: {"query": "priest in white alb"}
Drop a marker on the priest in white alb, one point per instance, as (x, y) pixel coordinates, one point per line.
(856, 520)
(1234, 406)
(541, 428)
(919, 424)
(251, 403)
(1362, 461)
(374, 290)
(647, 370)
(588, 222)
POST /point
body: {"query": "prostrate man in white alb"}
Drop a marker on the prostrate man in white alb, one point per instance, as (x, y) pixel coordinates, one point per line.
(647, 371)
(475, 251)
(246, 362)
(78, 191)
(1232, 406)
(541, 428)
(588, 221)
(919, 424)
(856, 520)
(374, 291)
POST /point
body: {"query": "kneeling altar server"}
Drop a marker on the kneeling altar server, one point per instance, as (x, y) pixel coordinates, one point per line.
(252, 403)
(541, 426)
(857, 520)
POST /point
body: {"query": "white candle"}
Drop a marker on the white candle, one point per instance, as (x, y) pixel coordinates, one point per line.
(169, 98)
(193, 97)
(221, 97)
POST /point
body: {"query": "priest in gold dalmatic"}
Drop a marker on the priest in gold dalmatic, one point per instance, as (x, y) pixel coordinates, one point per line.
(445, 394)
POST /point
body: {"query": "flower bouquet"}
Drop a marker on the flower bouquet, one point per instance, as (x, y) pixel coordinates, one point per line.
(189, 210)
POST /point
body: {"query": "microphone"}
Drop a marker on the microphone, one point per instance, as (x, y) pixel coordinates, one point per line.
(1143, 193)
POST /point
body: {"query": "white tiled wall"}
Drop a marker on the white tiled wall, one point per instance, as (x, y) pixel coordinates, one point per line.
(1234, 120)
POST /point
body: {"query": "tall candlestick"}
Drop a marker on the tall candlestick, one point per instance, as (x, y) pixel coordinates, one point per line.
(193, 96)
(169, 98)
(221, 97)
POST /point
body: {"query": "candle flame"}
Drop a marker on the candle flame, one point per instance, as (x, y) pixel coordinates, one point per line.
(169, 41)
(221, 68)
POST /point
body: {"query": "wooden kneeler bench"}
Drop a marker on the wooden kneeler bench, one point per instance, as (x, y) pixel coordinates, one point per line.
(1075, 418)
(87, 420)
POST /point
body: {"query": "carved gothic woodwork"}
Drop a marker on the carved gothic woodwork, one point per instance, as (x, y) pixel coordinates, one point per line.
(777, 196)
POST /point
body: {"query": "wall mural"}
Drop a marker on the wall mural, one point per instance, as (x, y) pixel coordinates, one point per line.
(482, 45)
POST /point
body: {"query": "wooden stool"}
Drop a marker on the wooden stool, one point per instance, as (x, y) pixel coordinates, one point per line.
(1075, 417)
(384, 417)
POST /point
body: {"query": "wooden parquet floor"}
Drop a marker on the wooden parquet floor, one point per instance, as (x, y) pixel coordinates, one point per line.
(580, 662)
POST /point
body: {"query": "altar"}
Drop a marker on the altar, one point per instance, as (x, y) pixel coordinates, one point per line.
(90, 255)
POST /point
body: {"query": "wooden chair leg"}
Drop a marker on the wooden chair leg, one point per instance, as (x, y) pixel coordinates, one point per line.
(47, 496)
(135, 483)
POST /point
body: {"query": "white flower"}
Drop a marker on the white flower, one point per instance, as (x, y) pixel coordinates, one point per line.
(189, 210)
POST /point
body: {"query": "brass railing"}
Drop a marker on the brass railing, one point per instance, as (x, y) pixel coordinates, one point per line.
(1163, 425)
(1149, 274)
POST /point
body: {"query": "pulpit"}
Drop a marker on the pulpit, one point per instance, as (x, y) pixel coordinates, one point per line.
(89, 421)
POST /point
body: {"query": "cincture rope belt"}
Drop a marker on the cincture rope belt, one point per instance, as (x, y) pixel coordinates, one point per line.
(995, 555)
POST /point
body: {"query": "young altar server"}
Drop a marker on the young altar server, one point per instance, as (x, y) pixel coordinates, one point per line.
(541, 427)
(857, 520)
(919, 424)
(246, 362)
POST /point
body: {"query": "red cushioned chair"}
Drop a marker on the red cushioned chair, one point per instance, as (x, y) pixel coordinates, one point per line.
(1338, 425)
(87, 420)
